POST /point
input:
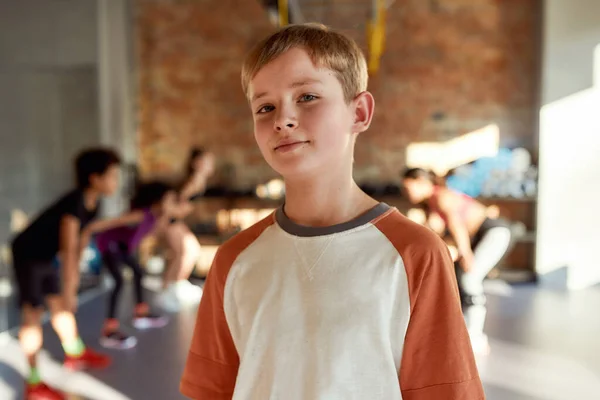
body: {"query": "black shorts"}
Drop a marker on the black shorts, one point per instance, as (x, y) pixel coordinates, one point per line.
(36, 279)
(488, 224)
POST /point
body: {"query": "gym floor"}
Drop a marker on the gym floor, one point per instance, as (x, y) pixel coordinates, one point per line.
(544, 347)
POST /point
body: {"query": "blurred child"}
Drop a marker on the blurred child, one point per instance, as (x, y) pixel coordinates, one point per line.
(151, 209)
(57, 231)
(184, 248)
(481, 242)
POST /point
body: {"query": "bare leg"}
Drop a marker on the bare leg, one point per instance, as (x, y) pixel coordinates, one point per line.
(63, 321)
(191, 254)
(174, 242)
(488, 252)
(31, 338)
(30, 334)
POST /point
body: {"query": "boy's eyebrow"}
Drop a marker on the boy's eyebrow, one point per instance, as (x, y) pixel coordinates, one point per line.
(294, 85)
(304, 82)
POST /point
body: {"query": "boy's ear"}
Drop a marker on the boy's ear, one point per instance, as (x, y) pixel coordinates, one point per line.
(364, 107)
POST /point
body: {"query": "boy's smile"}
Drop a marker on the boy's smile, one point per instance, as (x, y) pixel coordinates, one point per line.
(287, 145)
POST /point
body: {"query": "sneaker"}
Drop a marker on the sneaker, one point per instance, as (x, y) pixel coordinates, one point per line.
(480, 344)
(41, 391)
(118, 340)
(150, 321)
(168, 300)
(187, 292)
(89, 359)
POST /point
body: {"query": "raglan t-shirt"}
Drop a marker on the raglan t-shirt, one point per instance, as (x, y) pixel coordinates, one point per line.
(368, 309)
(40, 240)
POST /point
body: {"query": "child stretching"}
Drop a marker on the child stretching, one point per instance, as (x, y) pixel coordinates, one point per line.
(334, 296)
(56, 231)
(184, 248)
(152, 207)
(481, 242)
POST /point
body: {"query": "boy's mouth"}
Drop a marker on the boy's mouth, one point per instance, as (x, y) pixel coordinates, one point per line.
(288, 145)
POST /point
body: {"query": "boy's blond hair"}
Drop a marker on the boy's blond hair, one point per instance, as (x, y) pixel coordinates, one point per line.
(327, 48)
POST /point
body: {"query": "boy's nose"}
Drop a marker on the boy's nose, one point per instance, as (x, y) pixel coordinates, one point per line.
(288, 125)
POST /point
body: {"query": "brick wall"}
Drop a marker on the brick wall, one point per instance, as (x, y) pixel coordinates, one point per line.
(450, 67)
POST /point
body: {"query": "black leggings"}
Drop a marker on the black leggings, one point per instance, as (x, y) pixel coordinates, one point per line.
(113, 259)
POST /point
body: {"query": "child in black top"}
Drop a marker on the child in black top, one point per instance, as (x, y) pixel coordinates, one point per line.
(57, 231)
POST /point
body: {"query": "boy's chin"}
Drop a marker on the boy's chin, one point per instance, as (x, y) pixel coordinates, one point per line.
(299, 172)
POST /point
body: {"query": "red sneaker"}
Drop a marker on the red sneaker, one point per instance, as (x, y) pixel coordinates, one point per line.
(89, 359)
(41, 391)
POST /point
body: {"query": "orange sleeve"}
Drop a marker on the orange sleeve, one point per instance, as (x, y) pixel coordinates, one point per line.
(437, 360)
(212, 365)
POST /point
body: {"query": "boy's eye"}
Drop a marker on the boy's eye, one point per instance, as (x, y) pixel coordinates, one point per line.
(307, 97)
(265, 109)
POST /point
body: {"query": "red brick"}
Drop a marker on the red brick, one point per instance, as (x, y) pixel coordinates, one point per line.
(474, 61)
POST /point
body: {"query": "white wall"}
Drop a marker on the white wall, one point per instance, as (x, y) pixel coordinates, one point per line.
(569, 190)
(571, 32)
(48, 99)
(65, 84)
(116, 88)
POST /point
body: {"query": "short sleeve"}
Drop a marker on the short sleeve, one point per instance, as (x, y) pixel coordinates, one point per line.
(437, 358)
(73, 205)
(212, 364)
(437, 361)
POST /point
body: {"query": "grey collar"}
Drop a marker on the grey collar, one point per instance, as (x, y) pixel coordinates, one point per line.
(309, 231)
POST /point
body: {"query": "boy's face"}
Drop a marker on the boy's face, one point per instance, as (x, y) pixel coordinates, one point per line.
(302, 123)
(107, 183)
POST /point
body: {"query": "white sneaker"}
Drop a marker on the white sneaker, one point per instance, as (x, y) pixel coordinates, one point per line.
(480, 344)
(150, 321)
(187, 293)
(152, 283)
(118, 340)
(168, 300)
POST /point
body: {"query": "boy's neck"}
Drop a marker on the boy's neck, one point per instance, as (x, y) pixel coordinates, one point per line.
(325, 202)
(90, 199)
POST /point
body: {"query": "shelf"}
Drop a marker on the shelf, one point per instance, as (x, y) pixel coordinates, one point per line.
(528, 237)
(513, 275)
(508, 199)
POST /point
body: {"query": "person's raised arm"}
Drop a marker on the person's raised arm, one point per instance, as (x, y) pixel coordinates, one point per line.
(195, 184)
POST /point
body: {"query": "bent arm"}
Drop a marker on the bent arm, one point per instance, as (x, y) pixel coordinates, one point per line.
(456, 226)
(132, 217)
(69, 253)
(196, 184)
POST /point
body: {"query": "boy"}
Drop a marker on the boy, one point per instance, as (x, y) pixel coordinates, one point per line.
(56, 231)
(334, 296)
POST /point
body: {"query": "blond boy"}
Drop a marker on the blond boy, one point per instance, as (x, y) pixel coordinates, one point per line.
(334, 296)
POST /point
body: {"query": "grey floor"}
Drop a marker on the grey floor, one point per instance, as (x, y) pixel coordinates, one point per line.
(545, 346)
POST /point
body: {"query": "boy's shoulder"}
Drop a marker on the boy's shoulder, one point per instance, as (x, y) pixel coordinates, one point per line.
(408, 237)
(232, 247)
